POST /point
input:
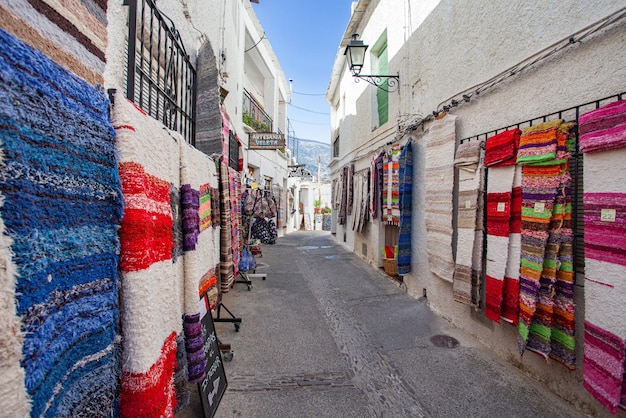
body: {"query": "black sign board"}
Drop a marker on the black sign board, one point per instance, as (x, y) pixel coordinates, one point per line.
(214, 385)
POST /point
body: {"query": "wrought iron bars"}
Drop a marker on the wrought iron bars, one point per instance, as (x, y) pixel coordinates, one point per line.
(160, 78)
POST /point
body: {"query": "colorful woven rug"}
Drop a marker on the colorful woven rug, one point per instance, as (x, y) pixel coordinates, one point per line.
(227, 272)
(391, 186)
(605, 269)
(538, 143)
(198, 175)
(539, 189)
(469, 249)
(499, 198)
(438, 185)
(343, 196)
(503, 226)
(149, 158)
(59, 218)
(406, 205)
(603, 129)
(510, 289)
(72, 34)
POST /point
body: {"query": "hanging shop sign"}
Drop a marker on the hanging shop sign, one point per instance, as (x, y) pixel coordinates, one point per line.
(266, 140)
(214, 384)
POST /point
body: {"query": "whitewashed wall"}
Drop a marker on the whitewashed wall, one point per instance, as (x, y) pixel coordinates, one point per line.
(442, 48)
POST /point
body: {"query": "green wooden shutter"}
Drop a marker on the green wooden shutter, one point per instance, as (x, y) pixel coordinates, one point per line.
(382, 96)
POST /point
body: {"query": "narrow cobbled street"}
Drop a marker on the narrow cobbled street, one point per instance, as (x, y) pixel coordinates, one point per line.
(327, 335)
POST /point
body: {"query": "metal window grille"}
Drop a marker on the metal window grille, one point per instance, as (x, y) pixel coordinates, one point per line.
(160, 78)
(256, 117)
(576, 167)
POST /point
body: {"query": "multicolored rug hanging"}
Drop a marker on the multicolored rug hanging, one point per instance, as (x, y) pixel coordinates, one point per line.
(438, 185)
(391, 186)
(227, 272)
(602, 139)
(60, 336)
(406, 206)
(551, 332)
(503, 223)
(201, 251)
(149, 158)
(546, 276)
(469, 249)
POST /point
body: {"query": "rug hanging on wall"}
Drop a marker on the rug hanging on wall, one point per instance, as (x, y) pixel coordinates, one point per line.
(603, 137)
(406, 205)
(59, 354)
(149, 159)
(438, 185)
(551, 332)
(391, 186)
(469, 249)
(503, 223)
(546, 239)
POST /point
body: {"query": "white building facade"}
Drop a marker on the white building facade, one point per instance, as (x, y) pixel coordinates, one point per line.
(490, 65)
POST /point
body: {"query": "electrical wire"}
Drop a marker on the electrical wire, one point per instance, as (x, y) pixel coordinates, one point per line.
(308, 123)
(309, 94)
(547, 52)
(254, 46)
(308, 110)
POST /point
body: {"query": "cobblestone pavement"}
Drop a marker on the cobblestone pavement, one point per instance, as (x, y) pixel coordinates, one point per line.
(327, 335)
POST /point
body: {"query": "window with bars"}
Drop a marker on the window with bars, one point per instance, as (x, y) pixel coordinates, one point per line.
(160, 79)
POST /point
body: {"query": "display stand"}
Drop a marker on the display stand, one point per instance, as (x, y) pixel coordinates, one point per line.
(244, 277)
(232, 318)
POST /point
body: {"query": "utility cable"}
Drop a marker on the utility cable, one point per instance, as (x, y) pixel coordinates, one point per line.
(308, 110)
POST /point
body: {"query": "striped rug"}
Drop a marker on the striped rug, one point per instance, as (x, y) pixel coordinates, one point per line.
(605, 267)
(503, 222)
(72, 33)
(197, 175)
(59, 218)
(499, 198)
(406, 206)
(227, 272)
(149, 159)
(438, 185)
(470, 229)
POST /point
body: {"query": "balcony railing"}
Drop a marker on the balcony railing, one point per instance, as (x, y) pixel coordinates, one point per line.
(254, 116)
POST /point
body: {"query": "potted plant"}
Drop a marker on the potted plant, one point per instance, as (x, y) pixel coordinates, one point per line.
(318, 206)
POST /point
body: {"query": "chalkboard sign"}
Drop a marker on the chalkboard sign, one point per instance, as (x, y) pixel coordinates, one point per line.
(214, 385)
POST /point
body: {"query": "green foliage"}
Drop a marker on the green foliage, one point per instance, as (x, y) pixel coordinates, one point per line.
(249, 120)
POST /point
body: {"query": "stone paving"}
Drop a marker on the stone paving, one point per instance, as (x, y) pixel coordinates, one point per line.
(327, 335)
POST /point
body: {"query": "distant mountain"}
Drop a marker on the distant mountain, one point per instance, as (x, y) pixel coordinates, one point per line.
(307, 151)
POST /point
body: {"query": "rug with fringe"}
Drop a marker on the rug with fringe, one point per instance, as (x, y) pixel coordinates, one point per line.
(469, 159)
(438, 187)
(61, 211)
(546, 322)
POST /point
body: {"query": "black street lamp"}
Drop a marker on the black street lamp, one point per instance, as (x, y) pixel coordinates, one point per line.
(355, 53)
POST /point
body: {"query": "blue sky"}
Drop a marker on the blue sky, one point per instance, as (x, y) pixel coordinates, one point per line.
(305, 35)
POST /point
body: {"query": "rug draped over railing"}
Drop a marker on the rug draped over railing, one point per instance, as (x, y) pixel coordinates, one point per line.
(438, 185)
(603, 140)
(469, 254)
